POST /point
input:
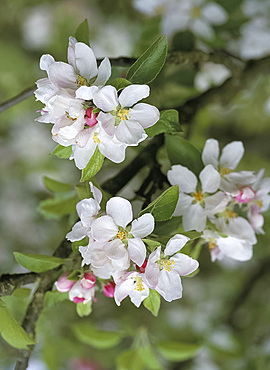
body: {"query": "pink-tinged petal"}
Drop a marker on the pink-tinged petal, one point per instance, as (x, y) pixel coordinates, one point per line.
(194, 218)
(236, 249)
(104, 228)
(137, 251)
(202, 29)
(152, 271)
(64, 285)
(130, 132)
(214, 13)
(182, 176)
(115, 250)
(147, 115)
(104, 72)
(88, 281)
(106, 99)
(86, 92)
(83, 137)
(210, 153)
(78, 232)
(120, 210)
(85, 60)
(184, 202)
(62, 75)
(132, 94)
(45, 61)
(184, 264)
(175, 244)
(107, 122)
(210, 179)
(71, 52)
(169, 285)
(97, 194)
(232, 154)
(255, 217)
(109, 289)
(143, 226)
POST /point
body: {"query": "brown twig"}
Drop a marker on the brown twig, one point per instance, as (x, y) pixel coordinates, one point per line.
(10, 282)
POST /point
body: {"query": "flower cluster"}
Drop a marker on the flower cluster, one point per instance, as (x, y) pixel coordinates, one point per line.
(117, 254)
(85, 113)
(225, 205)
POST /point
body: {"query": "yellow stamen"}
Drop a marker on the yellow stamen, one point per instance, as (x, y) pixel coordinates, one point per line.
(69, 117)
(196, 12)
(80, 80)
(121, 234)
(96, 139)
(123, 114)
(167, 265)
(260, 203)
(139, 284)
(224, 171)
(212, 244)
(232, 214)
(198, 196)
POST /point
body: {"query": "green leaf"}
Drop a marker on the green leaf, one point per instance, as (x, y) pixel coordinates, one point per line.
(168, 123)
(52, 298)
(62, 204)
(11, 331)
(176, 351)
(100, 339)
(62, 151)
(38, 262)
(181, 151)
(167, 227)
(152, 302)
(22, 293)
(147, 67)
(162, 208)
(149, 358)
(93, 166)
(130, 360)
(56, 186)
(183, 41)
(84, 309)
(120, 83)
(82, 33)
(152, 244)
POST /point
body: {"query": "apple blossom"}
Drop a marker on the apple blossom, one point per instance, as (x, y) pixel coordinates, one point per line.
(164, 269)
(121, 116)
(108, 289)
(81, 294)
(63, 284)
(195, 204)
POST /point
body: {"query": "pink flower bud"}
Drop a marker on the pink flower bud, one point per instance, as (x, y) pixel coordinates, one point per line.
(78, 299)
(88, 280)
(245, 195)
(64, 285)
(109, 289)
(90, 118)
(142, 267)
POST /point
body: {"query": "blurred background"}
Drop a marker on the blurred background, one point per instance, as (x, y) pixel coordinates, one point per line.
(226, 307)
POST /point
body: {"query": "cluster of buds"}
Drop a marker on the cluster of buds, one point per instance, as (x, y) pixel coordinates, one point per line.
(225, 205)
(85, 113)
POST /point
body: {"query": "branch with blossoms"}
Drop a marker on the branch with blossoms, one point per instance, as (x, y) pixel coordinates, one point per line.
(110, 251)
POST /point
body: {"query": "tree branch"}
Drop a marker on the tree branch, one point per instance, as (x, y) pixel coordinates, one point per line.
(11, 282)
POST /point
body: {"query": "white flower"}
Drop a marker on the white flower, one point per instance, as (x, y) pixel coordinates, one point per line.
(119, 239)
(232, 247)
(132, 284)
(211, 74)
(194, 204)
(228, 161)
(87, 210)
(79, 294)
(237, 227)
(163, 272)
(88, 139)
(122, 118)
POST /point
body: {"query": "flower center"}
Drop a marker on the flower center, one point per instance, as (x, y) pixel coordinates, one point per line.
(196, 12)
(139, 284)
(212, 244)
(121, 234)
(260, 203)
(96, 139)
(80, 80)
(123, 114)
(198, 196)
(167, 265)
(69, 117)
(224, 171)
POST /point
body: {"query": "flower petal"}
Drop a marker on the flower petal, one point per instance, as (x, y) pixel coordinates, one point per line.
(130, 132)
(182, 176)
(85, 60)
(62, 75)
(132, 94)
(97, 194)
(194, 218)
(104, 72)
(107, 122)
(106, 99)
(232, 154)
(137, 251)
(45, 61)
(104, 228)
(112, 148)
(184, 264)
(236, 249)
(210, 153)
(115, 250)
(87, 209)
(169, 285)
(183, 203)
(202, 29)
(147, 115)
(210, 179)
(78, 232)
(86, 92)
(120, 210)
(214, 13)
(143, 226)
(175, 244)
